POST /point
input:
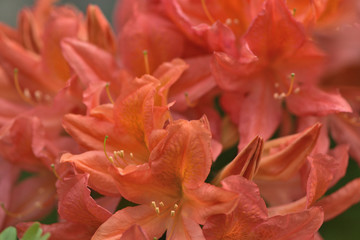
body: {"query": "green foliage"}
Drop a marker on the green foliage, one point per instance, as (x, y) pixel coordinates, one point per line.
(34, 232)
(8, 234)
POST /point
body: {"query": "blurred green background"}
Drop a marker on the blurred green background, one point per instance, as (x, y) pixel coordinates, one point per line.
(344, 227)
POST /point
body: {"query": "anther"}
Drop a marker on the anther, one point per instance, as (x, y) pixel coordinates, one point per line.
(27, 93)
(297, 90)
(146, 62)
(38, 95)
(276, 95)
(228, 21)
(153, 204)
(176, 206)
(131, 155)
(172, 213)
(207, 13)
(157, 210)
(161, 204)
(108, 93)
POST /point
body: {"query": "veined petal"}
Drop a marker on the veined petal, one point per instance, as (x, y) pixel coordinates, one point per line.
(75, 203)
(313, 101)
(184, 156)
(342, 199)
(99, 30)
(289, 159)
(96, 165)
(145, 216)
(244, 164)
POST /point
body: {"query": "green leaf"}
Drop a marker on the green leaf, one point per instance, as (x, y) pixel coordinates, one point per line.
(33, 232)
(8, 234)
(45, 237)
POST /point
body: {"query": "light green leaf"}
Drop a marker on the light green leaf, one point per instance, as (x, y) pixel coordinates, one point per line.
(8, 234)
(33, 232)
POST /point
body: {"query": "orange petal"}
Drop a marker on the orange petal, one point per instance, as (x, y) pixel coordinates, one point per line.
(245, 164)
(287, 161)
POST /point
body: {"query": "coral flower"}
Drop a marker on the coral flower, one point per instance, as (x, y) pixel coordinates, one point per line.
(171, 192)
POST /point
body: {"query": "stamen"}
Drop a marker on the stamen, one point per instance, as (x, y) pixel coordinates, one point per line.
(207, 13)
(131, 155)
(188, 101)
(292, 79)
(38, 95)
(276, 95)
(121, 153)
(161, 204)
(108, 93)
(153, 204)
(146, 62)
(157, 210)
(176, 206)
(297, 90)
(7, 212)
(172, 213)
(228, 21)
(54, 171)
(26, 95)
(110, 159)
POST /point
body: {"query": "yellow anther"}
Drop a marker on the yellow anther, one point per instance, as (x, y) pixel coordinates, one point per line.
(38, 95)
(131, 155)
(121, 153)
(161, 204)
(108, 93)
(146, 62)
(297, 90)
(153, 204)
(276, 95)
(176, 206)
(207, 13)
(172, 213)
(157, 210)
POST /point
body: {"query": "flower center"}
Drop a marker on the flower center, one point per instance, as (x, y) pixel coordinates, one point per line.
(291, 89)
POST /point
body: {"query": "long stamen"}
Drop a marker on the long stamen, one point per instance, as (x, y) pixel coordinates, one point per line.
(7, 212)
(110, 159)
(292, 79)
(108, 93)
(54, 171)
(207, 13)
(188, 101)
(18, 89)
(146, 62)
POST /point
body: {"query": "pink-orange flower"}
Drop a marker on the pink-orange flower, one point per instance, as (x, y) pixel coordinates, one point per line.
(171, 190)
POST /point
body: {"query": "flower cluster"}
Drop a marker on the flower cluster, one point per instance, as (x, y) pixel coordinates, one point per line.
(124, 132)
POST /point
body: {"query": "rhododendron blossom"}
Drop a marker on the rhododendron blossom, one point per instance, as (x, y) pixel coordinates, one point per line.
(189, 119)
